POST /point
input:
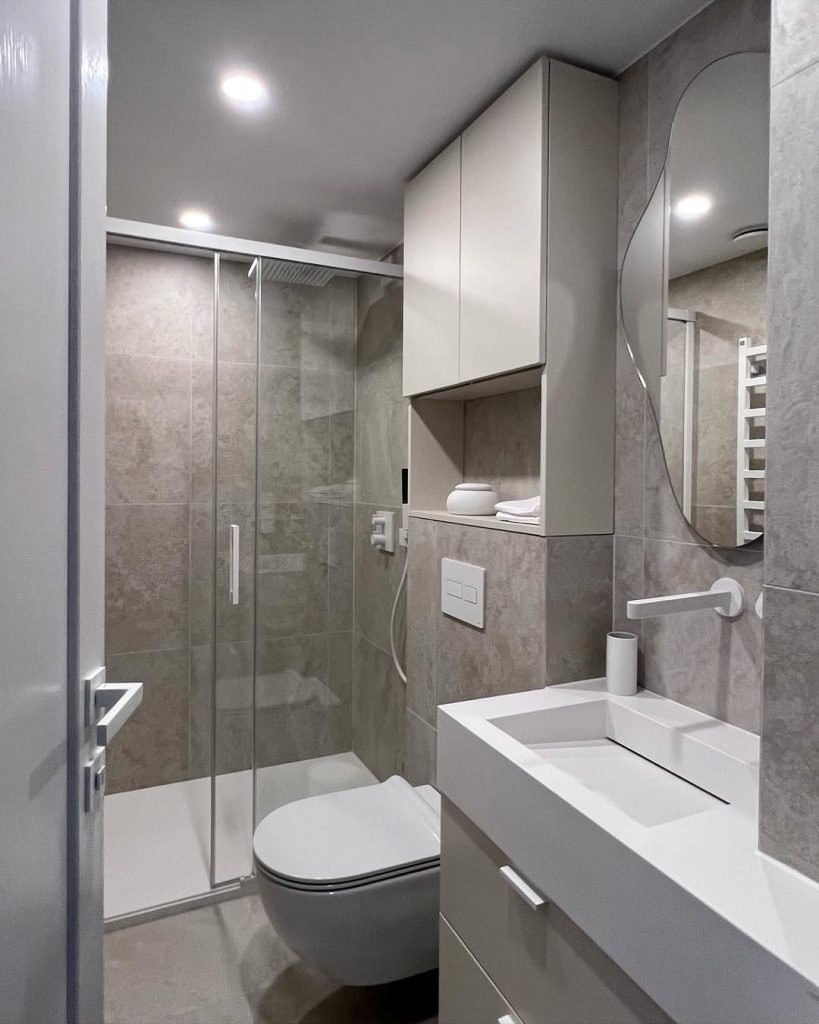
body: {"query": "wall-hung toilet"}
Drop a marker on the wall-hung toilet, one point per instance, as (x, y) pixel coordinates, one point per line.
(349, 880)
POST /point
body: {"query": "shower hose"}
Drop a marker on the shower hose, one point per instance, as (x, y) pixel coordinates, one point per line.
(393, 647)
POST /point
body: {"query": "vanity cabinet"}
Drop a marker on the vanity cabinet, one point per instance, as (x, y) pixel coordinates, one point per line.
(510, 238)
(534, 965)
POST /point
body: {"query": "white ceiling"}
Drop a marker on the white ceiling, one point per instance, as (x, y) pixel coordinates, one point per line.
(364, 92)
(719, 146)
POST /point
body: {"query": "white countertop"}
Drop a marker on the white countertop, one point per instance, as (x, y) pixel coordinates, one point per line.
(710, 927)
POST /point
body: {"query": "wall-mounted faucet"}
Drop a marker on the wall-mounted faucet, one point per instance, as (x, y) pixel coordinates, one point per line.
(726, 597)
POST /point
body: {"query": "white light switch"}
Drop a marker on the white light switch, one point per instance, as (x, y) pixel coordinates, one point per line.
(462, 591)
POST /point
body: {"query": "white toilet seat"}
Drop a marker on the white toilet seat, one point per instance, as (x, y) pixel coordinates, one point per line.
(350, 838)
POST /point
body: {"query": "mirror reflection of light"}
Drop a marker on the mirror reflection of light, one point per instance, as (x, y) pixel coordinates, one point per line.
(195, 220)
(693, 206)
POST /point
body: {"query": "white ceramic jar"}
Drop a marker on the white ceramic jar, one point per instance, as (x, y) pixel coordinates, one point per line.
(469, 499)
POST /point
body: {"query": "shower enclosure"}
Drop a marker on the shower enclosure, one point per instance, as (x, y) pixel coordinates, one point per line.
(229, 549)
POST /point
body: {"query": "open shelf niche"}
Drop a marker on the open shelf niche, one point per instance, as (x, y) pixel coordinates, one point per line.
(490, 432)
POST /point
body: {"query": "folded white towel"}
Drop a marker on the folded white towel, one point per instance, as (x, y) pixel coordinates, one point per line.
(522, 507)
(507, 518)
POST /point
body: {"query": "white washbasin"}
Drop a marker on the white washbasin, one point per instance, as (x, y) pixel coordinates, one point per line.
(638, 817)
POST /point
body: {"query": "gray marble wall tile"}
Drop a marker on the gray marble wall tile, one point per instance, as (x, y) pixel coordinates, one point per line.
(632, 169)
(423, 611)
(149, 302)
(578, 607)
(701, 659)
(792, 514)
(292, 570)
(794, 37)
(200, 710)
(236, 440)
(629, 444)
(721, 28)
(628, 582)
(298, 715)
(152, 747)
(380, 320)
(789, 796)
(377, 575)
(378, 711)
(308, 327)
(147, 429)
(509, 653)
(421, 740)
(663, 518)
(502, 443)
(202, 440)
(201, 572)
(342, 458)
(236, 339)
(381, 432)
(146, 578)
(294, 434)
(340, 573)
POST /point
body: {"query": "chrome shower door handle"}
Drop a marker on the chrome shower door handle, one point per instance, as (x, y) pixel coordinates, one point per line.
(119, 701)
(233, 565)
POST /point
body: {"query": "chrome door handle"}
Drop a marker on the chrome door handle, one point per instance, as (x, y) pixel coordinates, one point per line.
(117, 701)
(522, 888)
(233, 565)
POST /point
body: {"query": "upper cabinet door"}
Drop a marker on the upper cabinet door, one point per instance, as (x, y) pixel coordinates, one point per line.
(502, 231)
(432, 230)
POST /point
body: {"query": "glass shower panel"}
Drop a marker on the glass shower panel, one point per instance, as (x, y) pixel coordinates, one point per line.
(234, 517)
(305, 534)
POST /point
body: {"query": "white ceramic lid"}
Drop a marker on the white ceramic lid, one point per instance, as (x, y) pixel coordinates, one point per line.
(473, 487)
(338, 837)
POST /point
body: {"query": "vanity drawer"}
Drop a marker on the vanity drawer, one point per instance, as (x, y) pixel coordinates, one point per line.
(543, 964)
(467, 994)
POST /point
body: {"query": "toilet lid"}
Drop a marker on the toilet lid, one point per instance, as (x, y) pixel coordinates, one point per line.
(340, 837)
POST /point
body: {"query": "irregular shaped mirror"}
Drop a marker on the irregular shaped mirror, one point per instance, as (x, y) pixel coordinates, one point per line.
(693, 300)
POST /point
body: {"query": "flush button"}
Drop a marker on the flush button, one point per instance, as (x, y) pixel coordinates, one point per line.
(454, 589)
(471, 595)
(462, 591)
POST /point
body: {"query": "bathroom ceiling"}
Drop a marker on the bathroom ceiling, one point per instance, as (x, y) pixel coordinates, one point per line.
(363, 93)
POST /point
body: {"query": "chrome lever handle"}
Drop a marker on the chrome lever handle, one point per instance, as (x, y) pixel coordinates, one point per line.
(119, 701)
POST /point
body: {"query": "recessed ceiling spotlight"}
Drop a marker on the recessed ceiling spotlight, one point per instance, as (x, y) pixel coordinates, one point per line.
(245, 89)
(196, 220)
(693, 206)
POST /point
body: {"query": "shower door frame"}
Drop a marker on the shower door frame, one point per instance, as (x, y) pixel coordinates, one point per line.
(184, 241)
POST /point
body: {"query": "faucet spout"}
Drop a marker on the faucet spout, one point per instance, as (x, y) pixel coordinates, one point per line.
(726, 597)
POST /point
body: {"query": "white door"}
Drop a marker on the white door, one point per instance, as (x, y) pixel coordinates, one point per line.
(53, 74)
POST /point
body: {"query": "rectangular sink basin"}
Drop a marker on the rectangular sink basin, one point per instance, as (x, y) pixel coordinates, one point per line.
(581, 741)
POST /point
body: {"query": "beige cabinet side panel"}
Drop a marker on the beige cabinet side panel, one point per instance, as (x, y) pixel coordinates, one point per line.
(432, 232)
(541, 962)
(467, 996)
(581, 310)
(502, 231)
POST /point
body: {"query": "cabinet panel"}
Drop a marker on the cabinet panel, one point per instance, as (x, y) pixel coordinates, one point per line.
(541, 962)
(502, 233)
(467, 996)
(432, 227)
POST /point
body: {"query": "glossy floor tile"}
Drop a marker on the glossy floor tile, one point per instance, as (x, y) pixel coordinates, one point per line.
(157, 840)
(225, 965)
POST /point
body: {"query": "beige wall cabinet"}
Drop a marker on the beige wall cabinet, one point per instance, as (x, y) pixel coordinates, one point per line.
(534, 965)
(517, 214)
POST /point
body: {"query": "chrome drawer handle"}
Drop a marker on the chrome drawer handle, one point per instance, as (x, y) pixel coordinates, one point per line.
(522, 888)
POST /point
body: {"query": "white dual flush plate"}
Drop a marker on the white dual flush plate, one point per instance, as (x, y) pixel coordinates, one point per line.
(462, 591)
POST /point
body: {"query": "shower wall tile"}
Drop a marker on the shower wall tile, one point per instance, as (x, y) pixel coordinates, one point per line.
(380, 320)
(152, 747)
(578, 607)
(340, 571)
(237, 314)
(794, 37)
(703, 660)
(149, 304)
(421, 739)
(381, 432)
(236, 443)
(377, 575)
(378, 711)
(201, 711)
(342, 458)
(308, 327)
(294, 434)
(202, 401)
(293, 570)
(789, 794)
(423, 604)
(148, 422)
(146, 578)
(793, 421)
